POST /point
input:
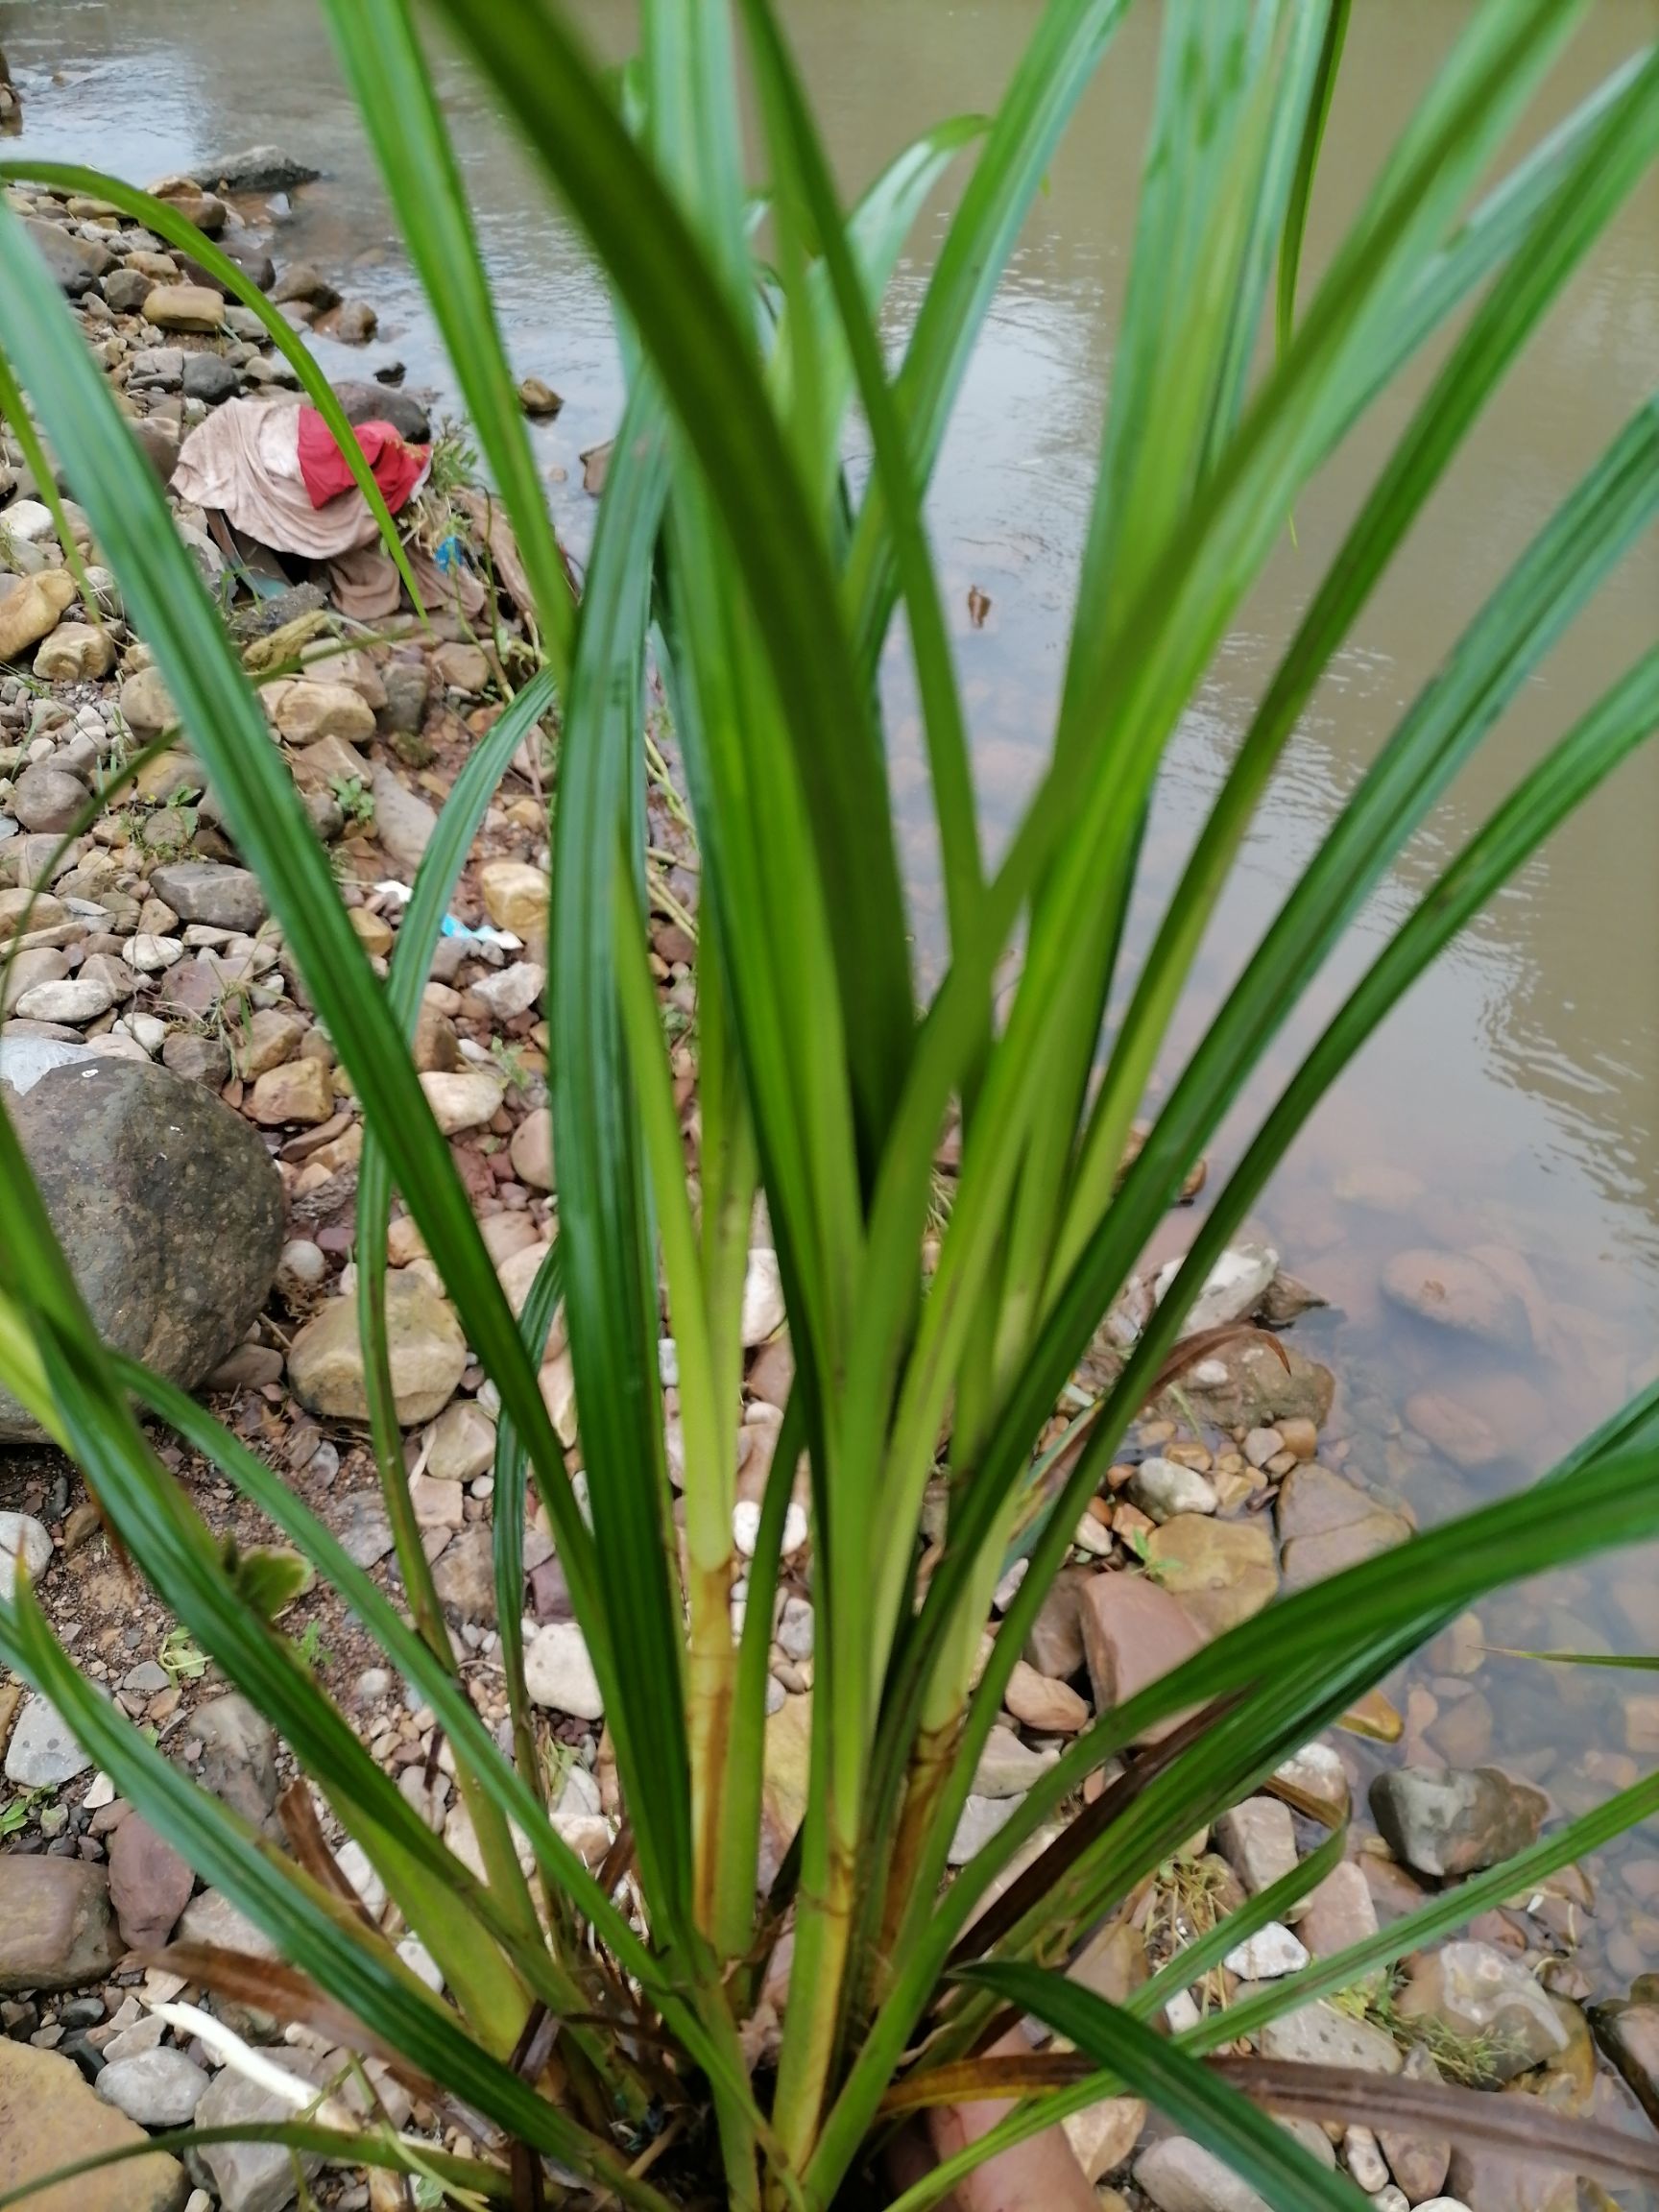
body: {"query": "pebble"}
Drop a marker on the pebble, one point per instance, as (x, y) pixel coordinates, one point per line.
(150, 954)
(211, 892)
(76, 1000)
(184, 307)
(980, 1818)
(22, 1538)
(403, 821)
(42, 1753)
(1267, 1955)
(1447, 1822)
(428, 1356)
(463, 1100)
(255, 2177)
(1326, 1522)
(515, 896)
(1163, 1488)
(462, 1444)
(1461, 1292)
(1180, 2176)
(1050, 1708)
(1222, 1572)
(1233, 1287)
(1364, 2160)
(1008, 1768)
(159, 2088)
(762, 1310)
(511, 991)
(54, 2117)
(75, 653)
(1480, 1991)
(45, 799)
(1133, 1633)
(56, 1928)
(559, 1672)
(1259, 1843)
(150, 1884)
(531, 1149)
(1318, 2034)
(1339, 1912)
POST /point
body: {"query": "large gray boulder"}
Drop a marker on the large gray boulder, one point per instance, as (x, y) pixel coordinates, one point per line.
(167, 1205)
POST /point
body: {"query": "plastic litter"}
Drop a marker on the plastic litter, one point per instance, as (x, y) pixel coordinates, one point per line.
(485, 935)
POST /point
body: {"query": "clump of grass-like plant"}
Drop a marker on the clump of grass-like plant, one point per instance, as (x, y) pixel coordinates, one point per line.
(680, 2036)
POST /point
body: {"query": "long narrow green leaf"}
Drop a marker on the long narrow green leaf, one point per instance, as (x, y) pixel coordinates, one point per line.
(1342, 1970)
(1607, 165)
(609, 1272)
(796, 148)
(1195, 1960)
(877, 229)
(1052, 75)
(1306, 165)
(218, 709)
(507, 1521)
(367, 1976)
(417, 940)
(712, 382)
(367, 2147)
(1257, 2149)
(380, 53)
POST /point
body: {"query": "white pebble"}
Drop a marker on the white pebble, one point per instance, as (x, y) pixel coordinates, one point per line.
(149, 954)
(1182, 2012)
(1365, 2161)
(1271, 1952)
(762, 1312)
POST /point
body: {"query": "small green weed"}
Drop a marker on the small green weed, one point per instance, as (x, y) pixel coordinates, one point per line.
(18, 1812)
(356, 800)
(181, 1657)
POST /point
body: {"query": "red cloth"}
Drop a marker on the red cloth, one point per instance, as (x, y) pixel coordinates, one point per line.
(396, 466)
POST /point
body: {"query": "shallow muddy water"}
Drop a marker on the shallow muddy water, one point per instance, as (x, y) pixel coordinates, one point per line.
(1514, 1100)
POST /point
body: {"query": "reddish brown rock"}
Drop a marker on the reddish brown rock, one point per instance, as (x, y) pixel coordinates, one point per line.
(1133, 1634)
(1326, 1522)
(1339, 1912)
(1055, 1643)
(150, 1884)
(1052, 1708)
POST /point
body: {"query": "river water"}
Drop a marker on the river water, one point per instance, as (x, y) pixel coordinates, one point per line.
(1513, 1101)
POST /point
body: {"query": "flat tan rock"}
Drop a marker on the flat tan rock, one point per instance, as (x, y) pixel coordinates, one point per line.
(515, 896)
(184, 307)
(51, 2117)
(31, 611)
(428, 1356)
(463, 1098)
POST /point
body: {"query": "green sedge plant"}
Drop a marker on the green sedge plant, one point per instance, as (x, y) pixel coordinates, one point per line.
(663, 2032)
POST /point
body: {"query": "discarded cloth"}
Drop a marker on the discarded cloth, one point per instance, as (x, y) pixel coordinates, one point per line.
(399, 468)
(245, 460)
(364, 585)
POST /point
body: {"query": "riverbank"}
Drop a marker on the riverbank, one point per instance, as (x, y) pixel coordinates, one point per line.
(145, 945)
